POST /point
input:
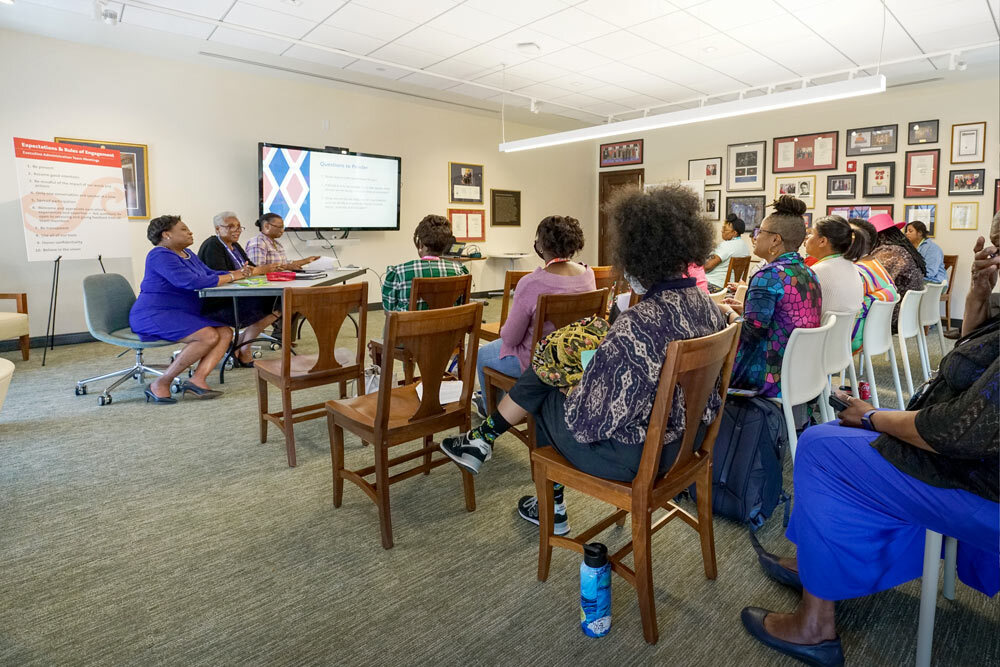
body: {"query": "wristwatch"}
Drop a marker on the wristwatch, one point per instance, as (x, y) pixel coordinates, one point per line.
(866, 420)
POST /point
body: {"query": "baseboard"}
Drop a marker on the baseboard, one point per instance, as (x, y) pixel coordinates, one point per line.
(39, 341)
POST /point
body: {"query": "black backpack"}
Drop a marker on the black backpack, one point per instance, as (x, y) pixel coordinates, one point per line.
(747, 462)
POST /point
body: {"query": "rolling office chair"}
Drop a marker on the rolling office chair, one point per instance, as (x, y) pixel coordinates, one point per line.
(107, 300)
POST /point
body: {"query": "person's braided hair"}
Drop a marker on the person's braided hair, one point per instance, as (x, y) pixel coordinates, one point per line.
(787, 220)
(892, 236)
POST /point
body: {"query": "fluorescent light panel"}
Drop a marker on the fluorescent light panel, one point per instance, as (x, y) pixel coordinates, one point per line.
(790, 98)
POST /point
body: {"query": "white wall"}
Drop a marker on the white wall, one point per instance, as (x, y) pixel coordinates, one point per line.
(202, 124)
(975, 99)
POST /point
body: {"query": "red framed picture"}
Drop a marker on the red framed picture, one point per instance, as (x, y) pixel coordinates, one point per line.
(621, 153)
(863, 211)
(852, 165)
(996, 197)
(922, 173)
(805, 152)
(468, 224)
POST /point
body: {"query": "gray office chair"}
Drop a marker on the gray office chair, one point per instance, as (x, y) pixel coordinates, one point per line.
(107, 300)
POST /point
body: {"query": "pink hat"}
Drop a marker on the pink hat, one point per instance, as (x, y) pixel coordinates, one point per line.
(884, 221)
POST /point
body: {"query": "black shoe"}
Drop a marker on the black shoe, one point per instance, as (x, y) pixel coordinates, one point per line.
(479, 400)
(527, 509)
(238, 363)
(773, 569)
(202, 394)
(468, 454)
(825, 654)
(151, 397)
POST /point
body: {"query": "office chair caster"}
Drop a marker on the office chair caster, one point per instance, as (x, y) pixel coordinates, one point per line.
(80, 390)
(104, 399)
(229, 363)
(275, 347)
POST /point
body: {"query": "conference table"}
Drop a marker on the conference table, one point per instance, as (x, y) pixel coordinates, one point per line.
(250, 288)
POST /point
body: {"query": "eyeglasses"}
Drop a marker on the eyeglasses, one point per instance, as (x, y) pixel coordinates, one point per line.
(234, 229)
(276, 225)
(760, 230)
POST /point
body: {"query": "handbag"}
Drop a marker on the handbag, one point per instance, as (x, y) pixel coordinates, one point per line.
(557, 357)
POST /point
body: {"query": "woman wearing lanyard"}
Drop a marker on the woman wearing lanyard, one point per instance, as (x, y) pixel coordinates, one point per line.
(222, 252)
(836, 246)
(600, 427)
(557, 239)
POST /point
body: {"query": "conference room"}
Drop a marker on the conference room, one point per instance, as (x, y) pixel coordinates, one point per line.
(262, 399)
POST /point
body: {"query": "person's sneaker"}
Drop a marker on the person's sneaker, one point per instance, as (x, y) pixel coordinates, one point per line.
(480, 402)
(469, 454)
(527, 508)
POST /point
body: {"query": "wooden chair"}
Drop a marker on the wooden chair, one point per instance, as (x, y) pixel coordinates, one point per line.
(396, 415)
(490, 331)
(15, 325)
(443, 292)
(950, 261)
(604, 277)
(738, 269)
(325, 308)
(560, 310)
(696, 365)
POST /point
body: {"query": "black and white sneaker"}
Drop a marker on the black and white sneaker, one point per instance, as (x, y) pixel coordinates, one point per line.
(527, 508)
(479, 400)
(469, 454)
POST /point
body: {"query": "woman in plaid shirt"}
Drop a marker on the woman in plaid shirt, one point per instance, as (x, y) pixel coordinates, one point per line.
(432, 237)
(265, 248)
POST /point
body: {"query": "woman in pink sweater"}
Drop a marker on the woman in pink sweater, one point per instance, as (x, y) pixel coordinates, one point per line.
(557, 239)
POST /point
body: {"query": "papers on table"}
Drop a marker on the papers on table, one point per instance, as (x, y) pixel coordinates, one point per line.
(322, 264)
(450, 392)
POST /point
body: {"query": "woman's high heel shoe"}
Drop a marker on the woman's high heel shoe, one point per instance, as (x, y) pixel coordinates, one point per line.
(150, 396)
(203, 394)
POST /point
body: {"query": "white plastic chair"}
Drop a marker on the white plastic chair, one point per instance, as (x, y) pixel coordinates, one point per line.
(908, 326)
(929, 589)
(930, 316)
(803, 376)
(877, 339)
(719, 297)
(838, 357)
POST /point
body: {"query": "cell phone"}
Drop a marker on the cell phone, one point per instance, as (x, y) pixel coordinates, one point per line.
(838, 404)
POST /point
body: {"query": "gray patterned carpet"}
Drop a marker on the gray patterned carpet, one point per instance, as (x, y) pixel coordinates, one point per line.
(135, 534)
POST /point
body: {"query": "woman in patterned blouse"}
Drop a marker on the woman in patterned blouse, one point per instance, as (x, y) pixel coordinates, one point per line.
(783, 295)
(877, 281)
(899, 257)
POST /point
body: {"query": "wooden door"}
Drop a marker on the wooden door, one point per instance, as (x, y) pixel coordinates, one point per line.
(611, 182)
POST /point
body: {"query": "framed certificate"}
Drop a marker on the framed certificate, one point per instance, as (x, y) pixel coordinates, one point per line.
(965, 215)
(505, 208)
(805, 152)
(925, 213)
(467, 224)
(968, 142)
(465, 183)
(921, 178)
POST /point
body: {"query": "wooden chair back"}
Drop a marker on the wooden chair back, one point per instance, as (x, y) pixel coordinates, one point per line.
(430, 338)
(697, 367)
(443, 292)
(325, 309)
(510, 281)
(738, 269)
(950, 262)
(563, 309)
(604, 276)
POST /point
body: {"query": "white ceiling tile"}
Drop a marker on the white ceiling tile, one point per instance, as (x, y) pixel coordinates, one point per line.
(508, 100)
(404, 55)
(573, 26)
(421, 11)
(82, 7)
(489, 57)
(252, 16)
(711, 48)
(942, 40)
(579, 100)
(248, 41)
(457, 68)
(619, 45)
(213, 9)
(783, 39)
(472, 24)
(543, 90)
(315, 10)
(893, 72)
(317, 56)
(684, 71)
(337, 38)
(611, 93)
(574, 59)
(518, 12)
(506, 81)
(673, 29)
(640, 101)
(607, 108)
(727, 14)
(370, 22)
(625, 14)
(377, 70)
(537, 70)
(854, 29)
(436, 41)
(427, 81)
(577, 82)
(752, 68)
(546, 43)
(472, 91)
(165, 22)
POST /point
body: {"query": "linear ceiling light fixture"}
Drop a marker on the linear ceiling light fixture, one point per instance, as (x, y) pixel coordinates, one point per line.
(747, 105)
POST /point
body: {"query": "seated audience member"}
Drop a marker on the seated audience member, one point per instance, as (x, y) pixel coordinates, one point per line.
(866, 490)
(877, 282)
(732, 246)
(264, 249)
(168, 308)
(600, 426)
(222, 252)
(783, 295)
(836, 246)
(899, 257)
(557, 239)
(916, 233)
(432, 238)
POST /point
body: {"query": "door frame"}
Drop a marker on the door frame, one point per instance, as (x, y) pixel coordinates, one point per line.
(603, 194)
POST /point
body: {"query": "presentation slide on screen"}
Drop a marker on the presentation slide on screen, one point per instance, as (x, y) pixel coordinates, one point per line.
(318, 189)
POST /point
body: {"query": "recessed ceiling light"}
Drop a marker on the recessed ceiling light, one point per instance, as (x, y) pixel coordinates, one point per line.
(710, 49)
(529, 48)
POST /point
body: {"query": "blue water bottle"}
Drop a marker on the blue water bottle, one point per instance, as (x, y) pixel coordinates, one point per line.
(595, 590)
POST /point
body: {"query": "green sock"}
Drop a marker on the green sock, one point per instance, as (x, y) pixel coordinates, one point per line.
(491, 429)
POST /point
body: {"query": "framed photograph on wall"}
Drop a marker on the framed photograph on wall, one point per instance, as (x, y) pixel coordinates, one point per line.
(841, 186)
(808, 217)
(880, 179)
(712, 204)
(996, 196)
(805, 152)
(708, 169)
(749, 209)
(467, 224)
(968, 142)
(621, 153)
(863, 211)
(505, 208)
(967, 182)
(747, 163)
(921, 174)
(465, 183)
(801, 187)
(923, 132)
(925, 213)
(135, 172)
(965, 215)
(875, 140)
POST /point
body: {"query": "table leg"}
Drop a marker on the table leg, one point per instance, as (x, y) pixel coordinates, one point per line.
(232, 345)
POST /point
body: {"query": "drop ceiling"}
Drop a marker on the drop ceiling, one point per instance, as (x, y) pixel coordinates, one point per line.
(580, 59)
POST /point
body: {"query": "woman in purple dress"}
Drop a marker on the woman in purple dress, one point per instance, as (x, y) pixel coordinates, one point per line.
(168, 308)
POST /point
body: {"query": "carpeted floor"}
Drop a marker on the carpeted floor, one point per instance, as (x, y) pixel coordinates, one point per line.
(140, 534)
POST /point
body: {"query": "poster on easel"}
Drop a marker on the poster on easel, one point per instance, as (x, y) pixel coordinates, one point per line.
(73, 202)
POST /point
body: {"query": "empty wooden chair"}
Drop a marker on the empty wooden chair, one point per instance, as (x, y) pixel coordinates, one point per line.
(490, 331)
(738, 269)
(15, 325)
(696, 365)
(950, 261)
(397, 415)
(604, 277)
(325, 309)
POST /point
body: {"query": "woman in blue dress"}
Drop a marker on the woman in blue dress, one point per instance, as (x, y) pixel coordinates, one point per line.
(168, 308)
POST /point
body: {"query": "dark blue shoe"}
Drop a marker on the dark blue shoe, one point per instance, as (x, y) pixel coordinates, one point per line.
(773, 569)
(825, 654)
